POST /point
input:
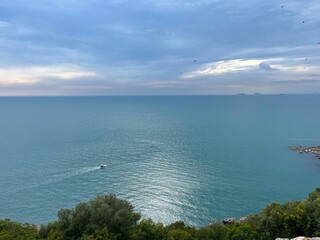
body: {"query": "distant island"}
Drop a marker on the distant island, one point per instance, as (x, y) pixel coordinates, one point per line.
(243, 94)
(314, 150)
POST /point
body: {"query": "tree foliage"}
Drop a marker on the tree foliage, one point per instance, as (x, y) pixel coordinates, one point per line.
(242, 231)
(290, 219)
(16, 231)
(148, 230)
(102, 216)
(213, 231)
(110, 218)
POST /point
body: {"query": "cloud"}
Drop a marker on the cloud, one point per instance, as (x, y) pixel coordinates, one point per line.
(224, 67)
(87, 87)
(299, 82)
(250, 66)
(179, 42)
(4, 24)
(35, 74)
(266, 67)
(151, 44)
(169, 3)
(162, 84)
(308, 12)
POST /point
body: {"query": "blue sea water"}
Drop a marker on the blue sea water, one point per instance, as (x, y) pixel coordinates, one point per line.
(191, 158)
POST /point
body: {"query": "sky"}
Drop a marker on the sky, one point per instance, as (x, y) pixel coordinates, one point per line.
(159, 47)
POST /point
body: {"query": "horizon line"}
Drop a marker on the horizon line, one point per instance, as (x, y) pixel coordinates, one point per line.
(161, 95)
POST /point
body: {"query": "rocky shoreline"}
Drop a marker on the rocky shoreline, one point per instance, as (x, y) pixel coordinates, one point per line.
(314, 150)
(232, 220)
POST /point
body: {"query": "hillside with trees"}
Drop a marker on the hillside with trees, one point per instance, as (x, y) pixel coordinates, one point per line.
(110, 218)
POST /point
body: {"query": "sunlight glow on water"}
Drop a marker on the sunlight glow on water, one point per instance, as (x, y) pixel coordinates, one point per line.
(196, 159)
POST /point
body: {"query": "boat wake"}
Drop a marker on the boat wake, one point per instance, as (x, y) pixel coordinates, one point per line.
(61, 177)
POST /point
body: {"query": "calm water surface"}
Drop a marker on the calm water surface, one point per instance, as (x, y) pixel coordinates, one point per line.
(196, 159)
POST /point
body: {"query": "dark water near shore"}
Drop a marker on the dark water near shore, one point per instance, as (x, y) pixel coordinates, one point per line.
(196, 159)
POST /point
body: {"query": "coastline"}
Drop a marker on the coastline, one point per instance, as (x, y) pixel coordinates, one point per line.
(314, 150)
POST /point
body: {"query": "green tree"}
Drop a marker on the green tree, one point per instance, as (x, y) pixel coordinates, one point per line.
(148, 230)
(99, 234)
(179, 231)
(289, 219)
(215, 231)
(108, 212)
(311, 216)
(16, 231)
(242, 231)
(180, 234)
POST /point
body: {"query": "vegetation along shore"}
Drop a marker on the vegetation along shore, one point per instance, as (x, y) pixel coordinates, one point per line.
(314, 150)
(110, 218)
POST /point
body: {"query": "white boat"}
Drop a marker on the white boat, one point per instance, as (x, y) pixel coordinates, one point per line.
(103, 166)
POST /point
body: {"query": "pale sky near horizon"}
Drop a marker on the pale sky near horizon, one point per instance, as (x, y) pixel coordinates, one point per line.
(158, 47)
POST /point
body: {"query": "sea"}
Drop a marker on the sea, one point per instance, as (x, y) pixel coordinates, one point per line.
(198, 159)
